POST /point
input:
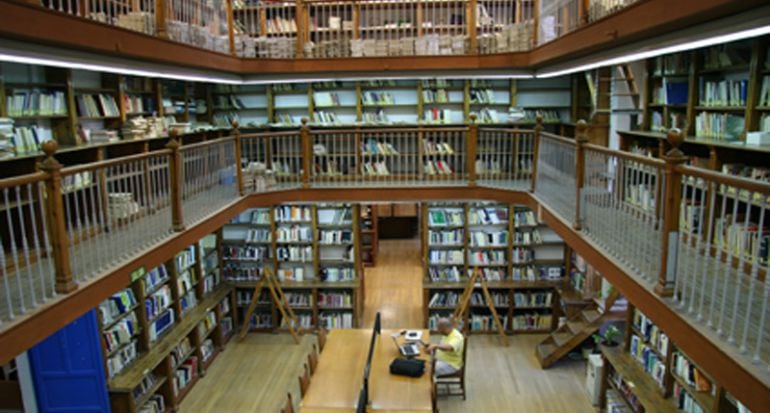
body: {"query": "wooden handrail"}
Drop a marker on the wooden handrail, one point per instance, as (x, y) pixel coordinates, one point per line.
(558, 138)
(658, 163)
(416, 129)
(212, 142)
(94, 166)
(720, 178)
(23, 180)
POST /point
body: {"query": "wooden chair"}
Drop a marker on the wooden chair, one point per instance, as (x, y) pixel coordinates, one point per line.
(433, 396)
(289, 406)
(312, 359)
(457, 378)
(322, 338)
(304, 381)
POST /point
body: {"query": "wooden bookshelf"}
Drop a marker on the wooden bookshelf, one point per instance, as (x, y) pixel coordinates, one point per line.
(315, 251)
(168, 361)
(368, 225)
(491, 237)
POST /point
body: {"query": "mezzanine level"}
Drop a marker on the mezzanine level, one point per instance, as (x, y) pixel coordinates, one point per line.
(676, 240)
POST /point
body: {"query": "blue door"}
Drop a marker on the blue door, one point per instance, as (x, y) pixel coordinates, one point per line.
(68, 370)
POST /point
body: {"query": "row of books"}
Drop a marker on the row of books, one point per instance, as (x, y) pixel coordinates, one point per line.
(336, 274)
(260, 217)
(329, 320)
(527, 237)
(376, 117)
(294, 274)
(719, 126)
(686, 402)
(243, 297)
(375, 147)
(155, 404)
(137, 104)
(378, 168)
(479, 322)
(615, 403)
(487, 257)
(431, 147)
(294, 254)
(335, 216)
(36, 103)
(532, 321)
(437, 115)
(522, 255)
(186, 281)
(188, 301)
(208, 324)
(723, 56)
(23, 139)
(436, 96)
(672, 64)
(154, 278)
(488, 216)
(444, 274)
(325, 117)
(446, 217)
(260, 321)
(626, 391)
(648, 358)
(185, 258)
(280, 25)
(304, 321)
(486, 96)
(377, 98)
(533, 299)
(259, 236)
(207, 349)
(764, 94)
(120, 333)
(294, 233)
(452, 237)
(180, 352)
(488, 238)
(499, 300)
(723, 93)
(443, 299)
(335, 300)
(326, 99)
(97, 105)
(292, 213)
(671, 92)
(524, 218)
(446, 257)
(158, 302)
(687, 372)
(161, 324)
(335, 236)
(487, 115)
(740, 239)
(185, 374)
(122, 359)
(299, 299)
(118, 304)
(211, 282)
(437, 167)
(434, 317)
(246, 253)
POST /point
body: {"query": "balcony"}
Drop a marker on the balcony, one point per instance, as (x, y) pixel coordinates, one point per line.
(677, 236)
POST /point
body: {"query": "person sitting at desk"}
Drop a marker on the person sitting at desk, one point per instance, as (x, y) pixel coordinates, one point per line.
(449, 352)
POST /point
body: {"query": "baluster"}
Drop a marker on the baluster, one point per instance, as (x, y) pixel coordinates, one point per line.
(754, 275)
(42, 252)
(538, 131)
(306, 149)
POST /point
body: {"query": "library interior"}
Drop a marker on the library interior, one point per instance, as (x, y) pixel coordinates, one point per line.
(328, 206)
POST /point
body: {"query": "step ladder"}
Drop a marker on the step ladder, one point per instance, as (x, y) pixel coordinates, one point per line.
(477, 280)
(270, 281)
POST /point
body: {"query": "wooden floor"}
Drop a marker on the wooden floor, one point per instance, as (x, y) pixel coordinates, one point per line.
(254, 376)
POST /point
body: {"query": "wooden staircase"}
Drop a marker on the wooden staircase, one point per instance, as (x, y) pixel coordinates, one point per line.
(576, 330)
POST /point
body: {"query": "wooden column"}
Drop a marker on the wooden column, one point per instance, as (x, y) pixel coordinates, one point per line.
(470, 156)
(470, 22)
(238, 155)
(160, 19)
(230, 26)
(583, 6)
(536, 149)
(535, 23)
(581, 138)
(307, 152)
(57, 225)
(175, 180)
(672, 199)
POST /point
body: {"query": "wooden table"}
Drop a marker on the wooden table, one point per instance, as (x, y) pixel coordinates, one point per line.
(336, 384)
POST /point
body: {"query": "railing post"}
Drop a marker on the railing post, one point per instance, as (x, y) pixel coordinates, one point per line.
(472, 31)
(238, 159)
(160, 19)
(473, 138)
(57, 225)
(307, 152)
(583, 6)
(536, 150)
(535, 24)
(176, 180)
(230, 27)
(581, 138)
(672, 199)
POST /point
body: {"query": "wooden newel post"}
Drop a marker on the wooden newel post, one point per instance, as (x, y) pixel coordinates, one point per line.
(160, 18)
(230, 27)
(307, 152)
(473, 139)
(57, 220)
(535, 150)
(175, 180)
(238, 158)
(581, 138)
(671, 200)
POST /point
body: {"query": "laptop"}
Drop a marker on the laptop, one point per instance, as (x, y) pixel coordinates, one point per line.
(408, 349)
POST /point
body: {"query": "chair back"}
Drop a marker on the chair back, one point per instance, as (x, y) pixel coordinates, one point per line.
(312, 359)
(304, 381)
(321, 338)
(289, 406)
(465, 352)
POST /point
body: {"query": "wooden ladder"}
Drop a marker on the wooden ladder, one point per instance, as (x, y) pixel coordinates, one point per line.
(270, 282)
(477, 279)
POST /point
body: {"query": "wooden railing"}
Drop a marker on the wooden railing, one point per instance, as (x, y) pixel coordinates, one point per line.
(363, 28)
(693, 236)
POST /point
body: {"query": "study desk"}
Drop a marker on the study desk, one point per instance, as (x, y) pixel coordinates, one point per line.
(335, 386)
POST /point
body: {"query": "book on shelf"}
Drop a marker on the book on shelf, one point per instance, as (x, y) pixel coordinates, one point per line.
(723, 56)
(294, 254)
(293, 233)
(488, 115)
(479, 322)
(690, 374)
(719, 126)
(336, 274)
(378, 168)
(377, 98)
(446, 217)
(207, 349)
(490, 273)
(437, 167)
(180, 352)
(723, 93)
(431, 147)
(672, 92)
(532, 321)
(672, 64)
(488, 216)
(185, 374)
(487, 257)
(452, 237)
(118, 304)
(325, 117)
(330, 320)
(378, 116)
(482, 96)
(97, 105)
(446, 256)
(122, 359)
(28, 139)
(375, 147)
(443, 299)
(499, 299)
(35, 102)
(247, 253)
(326, 99)
(334, 237)
(447, 274)
(292, 213)
(334, 299)
(437, 115)
(533, 299)
(685, 402)
(295, 274)
(120, 333)
(335, 216)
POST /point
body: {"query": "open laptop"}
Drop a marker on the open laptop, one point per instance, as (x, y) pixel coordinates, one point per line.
(408, 349)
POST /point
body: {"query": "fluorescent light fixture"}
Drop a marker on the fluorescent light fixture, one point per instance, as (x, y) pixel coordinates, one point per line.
(115, 69)
(631, 57)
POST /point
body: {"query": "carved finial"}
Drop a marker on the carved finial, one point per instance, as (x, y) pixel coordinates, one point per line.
(473, 117)
(173, 142)
(49, 148)
(304, 121)
(675, 138)
(235, 124)
(581, 131)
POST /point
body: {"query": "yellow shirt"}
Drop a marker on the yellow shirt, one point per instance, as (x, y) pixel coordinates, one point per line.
(455, 357)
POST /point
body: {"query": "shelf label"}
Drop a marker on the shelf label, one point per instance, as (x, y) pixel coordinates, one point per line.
(138, 273)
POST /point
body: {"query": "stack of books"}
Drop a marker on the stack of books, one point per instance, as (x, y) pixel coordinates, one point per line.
(101, 135)
(27, 139)
(138, 21)
(121, 205)
(6, 138)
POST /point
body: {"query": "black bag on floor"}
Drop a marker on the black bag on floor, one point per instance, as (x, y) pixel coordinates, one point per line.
(408, 367)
